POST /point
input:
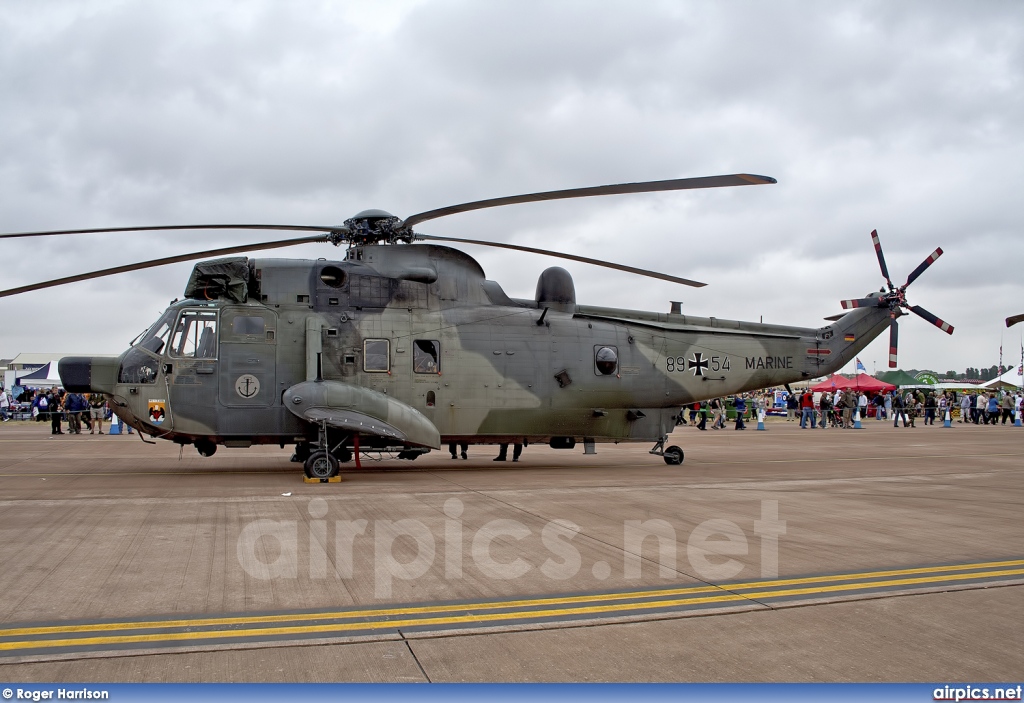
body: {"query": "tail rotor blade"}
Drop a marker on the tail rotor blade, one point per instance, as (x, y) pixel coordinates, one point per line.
(861, 303)
(941, 324)
(894, 333)
(881, 257)
(924, 265)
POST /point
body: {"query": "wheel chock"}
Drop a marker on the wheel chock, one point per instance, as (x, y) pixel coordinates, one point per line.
(332, 479)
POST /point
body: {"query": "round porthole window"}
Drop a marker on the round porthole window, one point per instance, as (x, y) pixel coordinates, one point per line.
(332, 276)
(606, 360)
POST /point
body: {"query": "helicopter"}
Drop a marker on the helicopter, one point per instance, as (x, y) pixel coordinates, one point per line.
(404, 344)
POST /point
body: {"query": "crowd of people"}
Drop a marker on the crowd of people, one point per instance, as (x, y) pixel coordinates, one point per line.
(836, 409)
(59, 408)
(841, 408)
(716, 411)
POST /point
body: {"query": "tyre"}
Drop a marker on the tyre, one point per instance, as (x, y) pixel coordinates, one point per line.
(673, 456)
(320, 464)
(205, 447)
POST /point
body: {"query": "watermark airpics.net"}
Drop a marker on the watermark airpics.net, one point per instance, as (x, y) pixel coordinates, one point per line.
(961, 692)
(505, 549)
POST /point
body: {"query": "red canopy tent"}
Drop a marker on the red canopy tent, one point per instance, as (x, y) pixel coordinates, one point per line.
(862, 382)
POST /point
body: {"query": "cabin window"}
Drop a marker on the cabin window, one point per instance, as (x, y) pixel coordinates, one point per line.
(195, 335)
(426, 356)
(606, 360)
(243, 325)
(376, 355)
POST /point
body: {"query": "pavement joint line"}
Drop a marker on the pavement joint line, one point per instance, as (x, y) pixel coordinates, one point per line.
(377, 620)
(493, 495)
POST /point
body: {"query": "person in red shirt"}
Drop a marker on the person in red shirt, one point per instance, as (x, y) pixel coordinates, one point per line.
(807, 410)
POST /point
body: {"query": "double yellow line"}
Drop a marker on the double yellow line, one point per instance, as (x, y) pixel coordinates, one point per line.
(452, 615)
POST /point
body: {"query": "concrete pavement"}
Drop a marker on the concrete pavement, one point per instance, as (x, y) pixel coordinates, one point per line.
(107, 528)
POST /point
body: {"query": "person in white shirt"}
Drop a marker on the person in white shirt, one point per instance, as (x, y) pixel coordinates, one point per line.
(965, 407)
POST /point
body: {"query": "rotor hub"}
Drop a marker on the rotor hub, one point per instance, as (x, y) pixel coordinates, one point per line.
(375, 227)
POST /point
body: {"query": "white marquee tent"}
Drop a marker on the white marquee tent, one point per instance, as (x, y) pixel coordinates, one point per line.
(1013, 377)
(43, 377)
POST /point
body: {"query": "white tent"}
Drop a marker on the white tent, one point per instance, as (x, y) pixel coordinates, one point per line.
(1013, 377)
(44, 377)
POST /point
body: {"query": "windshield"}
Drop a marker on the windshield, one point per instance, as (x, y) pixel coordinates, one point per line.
(155, 337)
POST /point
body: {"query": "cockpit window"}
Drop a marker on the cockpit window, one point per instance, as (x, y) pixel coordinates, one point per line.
(155, 342)
(137, 366)
(154, 338)
(195, 335)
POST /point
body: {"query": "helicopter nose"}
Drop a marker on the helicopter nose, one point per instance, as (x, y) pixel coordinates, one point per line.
(88, 374)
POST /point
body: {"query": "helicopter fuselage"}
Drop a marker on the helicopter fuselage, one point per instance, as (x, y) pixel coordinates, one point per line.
(417, 338)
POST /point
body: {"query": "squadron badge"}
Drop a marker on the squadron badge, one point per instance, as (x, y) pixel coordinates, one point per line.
(247, 386)
(157, 411)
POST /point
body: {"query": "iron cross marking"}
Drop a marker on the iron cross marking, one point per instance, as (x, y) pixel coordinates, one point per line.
(698, 364)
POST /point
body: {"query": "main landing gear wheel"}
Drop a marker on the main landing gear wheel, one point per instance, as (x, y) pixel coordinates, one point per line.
(320, 464)
(673, 456)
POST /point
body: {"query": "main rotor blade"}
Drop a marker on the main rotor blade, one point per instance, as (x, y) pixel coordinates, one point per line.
(257, 246)
(894, 333)
(881, 257)
(923, 265)
(941, 324)
(861, 303)
(571, 257)
(58, 232)
(739, 179)
(1011, 321)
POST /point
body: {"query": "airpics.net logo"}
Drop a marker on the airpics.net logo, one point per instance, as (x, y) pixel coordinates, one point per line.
(504, 549)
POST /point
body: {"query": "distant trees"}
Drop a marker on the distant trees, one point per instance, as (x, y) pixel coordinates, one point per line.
(983, 374)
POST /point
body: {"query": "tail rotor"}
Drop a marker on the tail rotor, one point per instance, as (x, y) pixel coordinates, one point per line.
(896, 299)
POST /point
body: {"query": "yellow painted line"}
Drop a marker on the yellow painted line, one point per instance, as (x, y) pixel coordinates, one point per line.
(480, 618)
(484, 605)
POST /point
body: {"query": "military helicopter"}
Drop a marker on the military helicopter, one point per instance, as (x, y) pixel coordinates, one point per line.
(404, 344)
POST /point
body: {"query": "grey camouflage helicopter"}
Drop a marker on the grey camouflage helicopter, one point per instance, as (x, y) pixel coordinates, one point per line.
(404, 344)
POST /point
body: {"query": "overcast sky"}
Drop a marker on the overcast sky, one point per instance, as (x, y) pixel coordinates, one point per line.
(906, 117)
